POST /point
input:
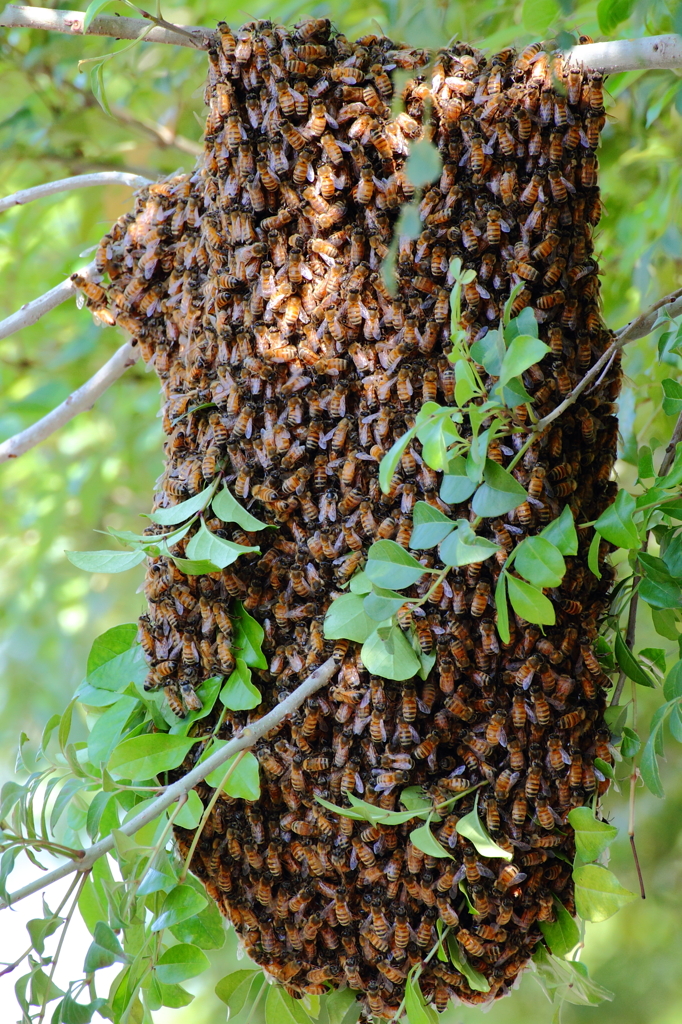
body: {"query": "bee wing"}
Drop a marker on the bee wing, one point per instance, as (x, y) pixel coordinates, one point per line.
(330, 120)
(459, 875)
(486, 872)
(569, 186)
(310, 173)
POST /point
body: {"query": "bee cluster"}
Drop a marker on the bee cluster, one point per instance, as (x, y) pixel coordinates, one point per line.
(253, 286)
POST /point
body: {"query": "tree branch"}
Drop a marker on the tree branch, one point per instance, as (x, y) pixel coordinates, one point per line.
(32, 311)
(162, 135)
(648, 54)
(637, 328)
(79, 401)
(643, 324)
(253, 732)
(651, 52)
(27, 195)
(71, 23)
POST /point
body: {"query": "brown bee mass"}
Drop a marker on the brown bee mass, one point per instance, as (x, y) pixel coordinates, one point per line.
(253, 286)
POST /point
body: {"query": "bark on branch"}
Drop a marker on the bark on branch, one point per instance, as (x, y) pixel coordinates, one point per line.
(79, 401)
(32, 311)
(253, 732)
(648, 53)
(71, 23)
(27, 195)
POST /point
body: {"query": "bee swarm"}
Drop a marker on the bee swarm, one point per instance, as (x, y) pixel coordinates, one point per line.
(253, 286)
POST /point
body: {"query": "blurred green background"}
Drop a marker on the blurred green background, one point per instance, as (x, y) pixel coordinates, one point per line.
(99, 470)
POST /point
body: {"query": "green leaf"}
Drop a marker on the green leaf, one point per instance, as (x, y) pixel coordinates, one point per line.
(415, 799)
(489, 351)
(658, 591)
(540, 562)
(205, 929)
(563, 934)
(653, 748)
(593, 555)
(172, 995)
(107, 730)
(180, 963)
(672, 687)
(346, 618)
(456, 485)
(523, 352)
(524, 323)
(143, 757)
(561, 532)
(338, 1002)
(234, 988)
(477, 981)
(672, 401)
(629, 663)
(424, 839)
(389, 463)
(436, 435)
(592, 837)
(360, 584)
(471, 828)
(195, 566)
(499, 493)
(530, 603)
(248, 637)
(466, 385)
(382, 604)
(104, 950)
(208, 546)
(502, 608)
(598, 893)
(185, 509)
(182, 902)
(513, 393)
(464, 547)
(611, 12)
(97, 86)
(424, 163)
(388, 653)
(117, 673)
(239, 693)
(92, 10)
(616, 523)
(630, 743)
(111, 643)
(226, 507)
(430, 526)
(190, 813)
(281, 1008)
(40, 928)
(159, 878)
(244, 782)
(105, 561)
(389, 565)
(415, 1005)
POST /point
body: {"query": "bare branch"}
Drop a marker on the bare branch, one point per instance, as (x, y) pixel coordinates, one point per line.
(248, 736)
(27, 195)
(71, 23)
(669, 456)
(79, 401)
(651, 52)
(637, 328)
(645, 54)
(32, 311)
(643, 324)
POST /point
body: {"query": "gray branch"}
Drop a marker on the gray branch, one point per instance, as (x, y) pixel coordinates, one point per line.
(71, 23)
(79, 401)
(650, 52)
(32, 311)
(248, 736)
(27, 195)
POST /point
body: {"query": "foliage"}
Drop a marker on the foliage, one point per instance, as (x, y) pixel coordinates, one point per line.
(99, 468)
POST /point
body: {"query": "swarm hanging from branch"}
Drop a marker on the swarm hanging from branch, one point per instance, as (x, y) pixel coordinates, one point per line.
(253, 286)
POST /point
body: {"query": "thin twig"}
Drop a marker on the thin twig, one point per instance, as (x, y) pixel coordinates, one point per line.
(164, 137)
(32, 311)
(71, 23)
(55, 958)
(644, 322)
(80, 400)
(27, 195)
(207, 813)
(631, 831)
(248, 736)
(669, 456)
(629, 637)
